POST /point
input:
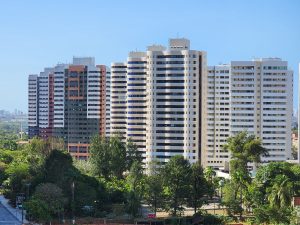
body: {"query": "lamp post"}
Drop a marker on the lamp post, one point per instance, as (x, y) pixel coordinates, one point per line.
(73, 203)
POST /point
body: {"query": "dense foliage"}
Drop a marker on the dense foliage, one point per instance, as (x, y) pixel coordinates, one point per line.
(113, 182)
(268, 195)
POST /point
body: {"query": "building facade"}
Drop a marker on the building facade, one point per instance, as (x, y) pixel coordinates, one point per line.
(217, 114)
(254, 96)
(73, 103)
(167, 102)
(159, 93)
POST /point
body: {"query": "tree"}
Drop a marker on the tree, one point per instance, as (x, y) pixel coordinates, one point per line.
(244, 149)
(153, 193)
(100, 156)
(199, 186)
(38, 150)
(132, 154)
(281, 193)
(230, 199)
(17, 175)
(58, 169)
(135, 182)
(118, 156)
(111, 157)
(51, 200)
(38, 210)
(272, 190)
(210, 174)
(8, 144)
(177, 175)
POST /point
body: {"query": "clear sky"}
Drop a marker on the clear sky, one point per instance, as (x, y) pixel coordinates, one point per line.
(35, 34)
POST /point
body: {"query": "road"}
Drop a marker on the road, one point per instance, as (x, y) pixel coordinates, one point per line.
(6, 218)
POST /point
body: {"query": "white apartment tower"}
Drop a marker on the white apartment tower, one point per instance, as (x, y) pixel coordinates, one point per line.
(216, 114)
(261, 102)
(162, 105)
(136, 100)
(118, 99)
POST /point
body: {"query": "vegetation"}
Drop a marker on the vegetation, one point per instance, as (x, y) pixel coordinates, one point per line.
(112, 183)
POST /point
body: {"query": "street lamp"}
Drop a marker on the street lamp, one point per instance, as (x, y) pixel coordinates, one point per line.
(73, 203)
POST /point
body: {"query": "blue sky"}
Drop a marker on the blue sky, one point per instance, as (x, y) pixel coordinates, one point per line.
(37, 34)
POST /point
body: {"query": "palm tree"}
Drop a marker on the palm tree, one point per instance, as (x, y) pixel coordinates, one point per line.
(281, 193)
(244, 147)
(209, 173)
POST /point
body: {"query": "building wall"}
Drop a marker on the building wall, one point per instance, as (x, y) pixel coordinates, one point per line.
(72, 100)
(174, 113)
(33, 106)
(216, 125)
(261, 101)
(118, 99)
(107, 102)
(136, 101)
(158, 94)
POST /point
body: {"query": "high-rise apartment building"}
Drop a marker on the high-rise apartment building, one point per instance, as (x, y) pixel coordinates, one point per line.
(33, 105)
(118, 99)
(159, 94)
(216, 114)
(255, 96)
(72, 102)
(167, 102)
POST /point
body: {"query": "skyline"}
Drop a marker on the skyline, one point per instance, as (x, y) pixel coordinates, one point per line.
(35, 35)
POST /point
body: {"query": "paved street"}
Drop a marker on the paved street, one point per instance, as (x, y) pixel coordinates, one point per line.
(6, 218)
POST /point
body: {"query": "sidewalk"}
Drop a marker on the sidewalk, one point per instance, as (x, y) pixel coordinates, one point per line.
(15, 212)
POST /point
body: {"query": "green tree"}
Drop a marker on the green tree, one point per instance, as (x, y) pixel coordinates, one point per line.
(132, 154)
(153, 194)
(135, 182)
(230, 199)
(8, 144)
(58, 169)
(210, 175)
(272, 190)
(50, 198)
(110, 157)
(281, 192)
(177, 175)
(199, 186)
(101, 156)
(17, 175)
(244, 149)
(38, 210)
(118, 156)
